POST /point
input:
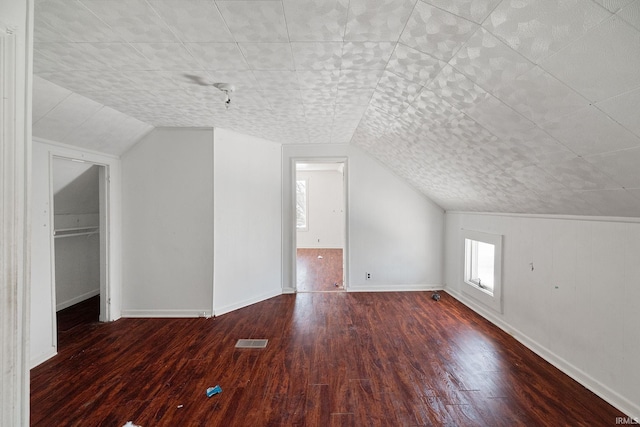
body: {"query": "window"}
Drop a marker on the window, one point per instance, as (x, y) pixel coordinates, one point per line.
(302, 204)
(480, 264)
(483, 267)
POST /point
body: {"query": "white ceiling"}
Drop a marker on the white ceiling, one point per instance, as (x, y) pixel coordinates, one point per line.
(484, 105)
(64, 116)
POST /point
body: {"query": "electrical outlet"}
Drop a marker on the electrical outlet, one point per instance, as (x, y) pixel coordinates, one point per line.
(368, 276)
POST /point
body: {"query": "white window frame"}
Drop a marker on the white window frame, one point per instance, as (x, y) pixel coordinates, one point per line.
(306, 202)
(493, 299)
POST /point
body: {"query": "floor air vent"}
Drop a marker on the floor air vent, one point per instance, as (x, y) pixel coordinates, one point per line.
(251, 344)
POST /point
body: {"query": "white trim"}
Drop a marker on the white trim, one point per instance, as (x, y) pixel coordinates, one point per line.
(345, 251)
(111, 264)
(250, 301)
(43, 357)
(151, 314)
(104, 228)
(104, 200)
(395, 288)
(69, 147)
(552, 216)
(15, 244)
(76, 300)
(601, 390)
(78, 153)
(52, 255)
(213, 221)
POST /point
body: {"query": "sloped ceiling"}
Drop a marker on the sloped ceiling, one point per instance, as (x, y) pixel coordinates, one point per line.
(63, 116)
(484, 105)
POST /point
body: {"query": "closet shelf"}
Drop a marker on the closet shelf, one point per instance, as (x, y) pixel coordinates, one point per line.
(75, 231)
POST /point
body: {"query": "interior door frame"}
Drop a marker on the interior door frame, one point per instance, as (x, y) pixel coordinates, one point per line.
(292, 198)
(15, 207)
(104, 190)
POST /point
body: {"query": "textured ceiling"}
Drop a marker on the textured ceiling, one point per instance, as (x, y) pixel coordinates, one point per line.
(484, 105)
(63, 116)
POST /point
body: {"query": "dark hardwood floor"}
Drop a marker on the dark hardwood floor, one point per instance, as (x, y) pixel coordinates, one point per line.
(333, 359)
(71, 319)
(319, 270)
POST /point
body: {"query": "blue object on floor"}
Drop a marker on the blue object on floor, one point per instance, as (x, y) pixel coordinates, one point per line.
(213, 390)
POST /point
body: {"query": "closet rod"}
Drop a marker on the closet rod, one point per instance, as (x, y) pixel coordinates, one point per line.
(87, 227)
(84, 233)
(75, 231)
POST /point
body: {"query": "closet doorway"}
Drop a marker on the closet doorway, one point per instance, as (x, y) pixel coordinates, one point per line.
(79, 248)
(320, 227)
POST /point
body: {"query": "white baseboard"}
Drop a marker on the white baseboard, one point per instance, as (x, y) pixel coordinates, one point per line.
(244, 303)
(191, 313)
(288, 290)
(80, 298)
(601, 390)
(381, 287)
(43, 357)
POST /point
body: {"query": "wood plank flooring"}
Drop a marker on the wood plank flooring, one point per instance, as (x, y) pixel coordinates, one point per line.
(319, 270)
(76, 316)
(333, 359)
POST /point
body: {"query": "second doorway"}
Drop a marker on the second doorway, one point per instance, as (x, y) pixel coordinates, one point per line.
(320, 227)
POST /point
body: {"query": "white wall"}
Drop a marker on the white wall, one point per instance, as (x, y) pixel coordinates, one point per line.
(578, 307)
(43, 300)
(43, 339)
(247, 219)
(393, 232)
(77, 261)
(325, 216)
(167, 224)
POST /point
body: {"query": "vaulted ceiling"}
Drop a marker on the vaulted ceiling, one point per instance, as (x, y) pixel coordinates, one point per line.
(483, 105)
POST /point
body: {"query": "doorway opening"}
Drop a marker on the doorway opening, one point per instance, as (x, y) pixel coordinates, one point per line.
(320, 226)
(79, 201)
